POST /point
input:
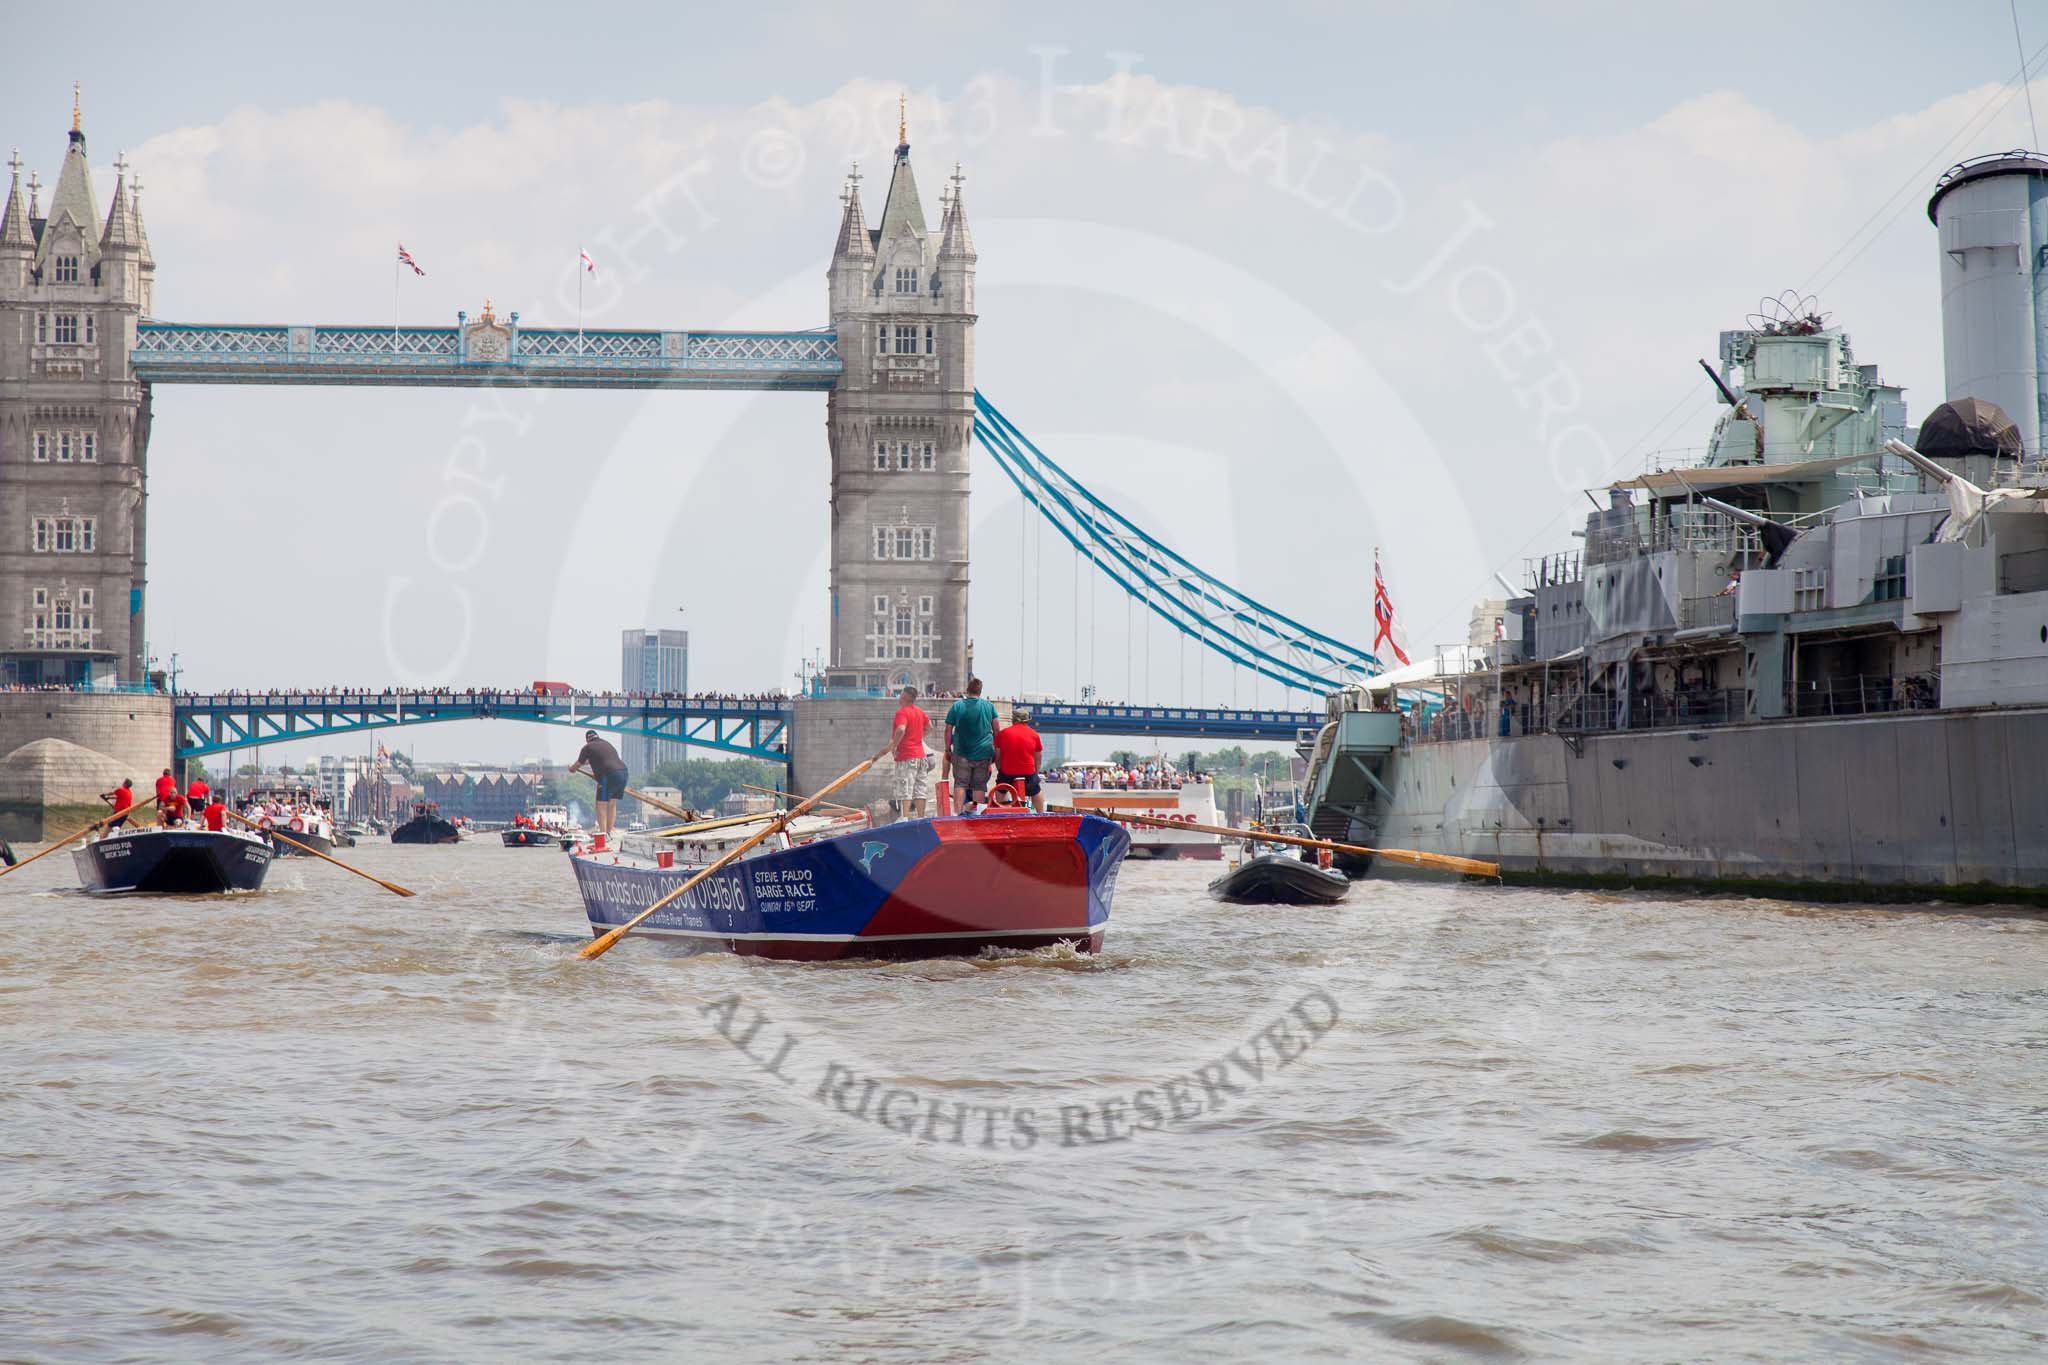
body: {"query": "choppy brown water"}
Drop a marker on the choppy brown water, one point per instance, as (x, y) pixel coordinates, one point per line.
(327, 1122)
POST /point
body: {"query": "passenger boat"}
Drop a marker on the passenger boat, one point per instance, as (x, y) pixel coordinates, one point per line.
(919, 888)
(174, 861)
(296, 812)
(1179, 801)
(426, 827)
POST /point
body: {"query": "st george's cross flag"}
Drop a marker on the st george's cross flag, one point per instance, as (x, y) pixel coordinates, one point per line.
(589, 266)
(1383, 613)
(405, 259)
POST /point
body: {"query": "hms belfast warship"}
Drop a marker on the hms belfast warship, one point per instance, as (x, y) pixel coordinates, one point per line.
(1815, 663)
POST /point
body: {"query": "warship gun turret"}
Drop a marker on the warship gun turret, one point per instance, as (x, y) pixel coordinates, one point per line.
(1815, 661)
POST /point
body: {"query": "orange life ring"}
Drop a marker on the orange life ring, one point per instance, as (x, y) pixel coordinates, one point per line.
(1003, 794)
(298, 825)
(263, 822)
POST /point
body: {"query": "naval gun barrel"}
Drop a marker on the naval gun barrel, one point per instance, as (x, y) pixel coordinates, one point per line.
(1722, 384)
(1923, 464)
(1739, 513)
(1776, 536)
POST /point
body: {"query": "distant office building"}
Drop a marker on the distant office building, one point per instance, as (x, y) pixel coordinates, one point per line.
(653, 661)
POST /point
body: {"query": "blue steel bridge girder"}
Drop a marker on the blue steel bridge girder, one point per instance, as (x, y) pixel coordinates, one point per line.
(1183, 722)
(212, 724)
(208, 724)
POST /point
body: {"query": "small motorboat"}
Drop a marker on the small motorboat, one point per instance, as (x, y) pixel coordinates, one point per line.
(426, 827)
(919, 888)
(174, 861)
(1273, 874)
(542, 827)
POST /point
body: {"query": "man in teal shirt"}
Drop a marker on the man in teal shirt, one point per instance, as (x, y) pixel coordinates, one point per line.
(971, 744)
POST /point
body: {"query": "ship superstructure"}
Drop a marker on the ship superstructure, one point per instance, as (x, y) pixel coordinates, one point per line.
(1818, 654)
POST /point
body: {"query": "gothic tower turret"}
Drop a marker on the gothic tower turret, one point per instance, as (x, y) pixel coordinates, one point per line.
(74, 431)
(900, 420)
(17, 243)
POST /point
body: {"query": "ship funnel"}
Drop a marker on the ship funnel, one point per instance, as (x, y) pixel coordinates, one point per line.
(1991, 216)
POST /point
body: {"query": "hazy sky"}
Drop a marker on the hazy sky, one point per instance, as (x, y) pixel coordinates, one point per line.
(1283, 282)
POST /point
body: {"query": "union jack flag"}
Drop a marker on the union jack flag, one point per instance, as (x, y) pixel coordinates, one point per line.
(589, 266)
(1383, 613)
(405, 259)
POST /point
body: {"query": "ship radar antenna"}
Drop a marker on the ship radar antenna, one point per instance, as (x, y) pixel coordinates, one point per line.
(1789, 314)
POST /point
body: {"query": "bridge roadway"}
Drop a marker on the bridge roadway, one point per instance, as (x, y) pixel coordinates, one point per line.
(219, 722)
(483, 353)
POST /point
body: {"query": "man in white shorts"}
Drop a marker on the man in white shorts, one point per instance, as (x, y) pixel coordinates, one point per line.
(913, 764)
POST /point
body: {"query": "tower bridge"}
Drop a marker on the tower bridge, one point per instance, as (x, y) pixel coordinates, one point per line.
(82, 357)
(211, 723)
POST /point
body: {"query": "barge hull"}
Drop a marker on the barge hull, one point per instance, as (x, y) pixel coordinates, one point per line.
(1921, 804)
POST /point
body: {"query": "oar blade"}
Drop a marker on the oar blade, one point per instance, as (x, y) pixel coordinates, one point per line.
(602, 944)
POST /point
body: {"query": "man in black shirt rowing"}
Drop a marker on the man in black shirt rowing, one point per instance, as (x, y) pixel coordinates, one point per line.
(608, 770)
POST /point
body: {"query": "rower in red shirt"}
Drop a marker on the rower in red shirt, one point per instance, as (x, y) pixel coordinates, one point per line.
(197, 793)
(1018, 750)
(122, 798)
(215, 814)
(170, 807)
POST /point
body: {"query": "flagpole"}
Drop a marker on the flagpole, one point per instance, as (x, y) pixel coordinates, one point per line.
(394, 307)
(580, 272)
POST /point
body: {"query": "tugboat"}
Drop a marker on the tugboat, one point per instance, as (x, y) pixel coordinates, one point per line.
(426, 827)
(947, 887)
(298, 814)
(174, 861)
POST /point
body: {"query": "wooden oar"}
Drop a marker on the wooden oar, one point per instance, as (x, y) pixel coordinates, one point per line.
(598, 947)
(664, 807)
(792, 796)
(722, 822)
(1444, 862)
(73, 838)
(393, 887)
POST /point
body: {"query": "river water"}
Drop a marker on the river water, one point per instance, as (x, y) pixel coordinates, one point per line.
(1436, 1122)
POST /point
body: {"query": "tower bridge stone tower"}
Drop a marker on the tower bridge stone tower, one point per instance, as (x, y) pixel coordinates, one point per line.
(74, 428)
(901, 425)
